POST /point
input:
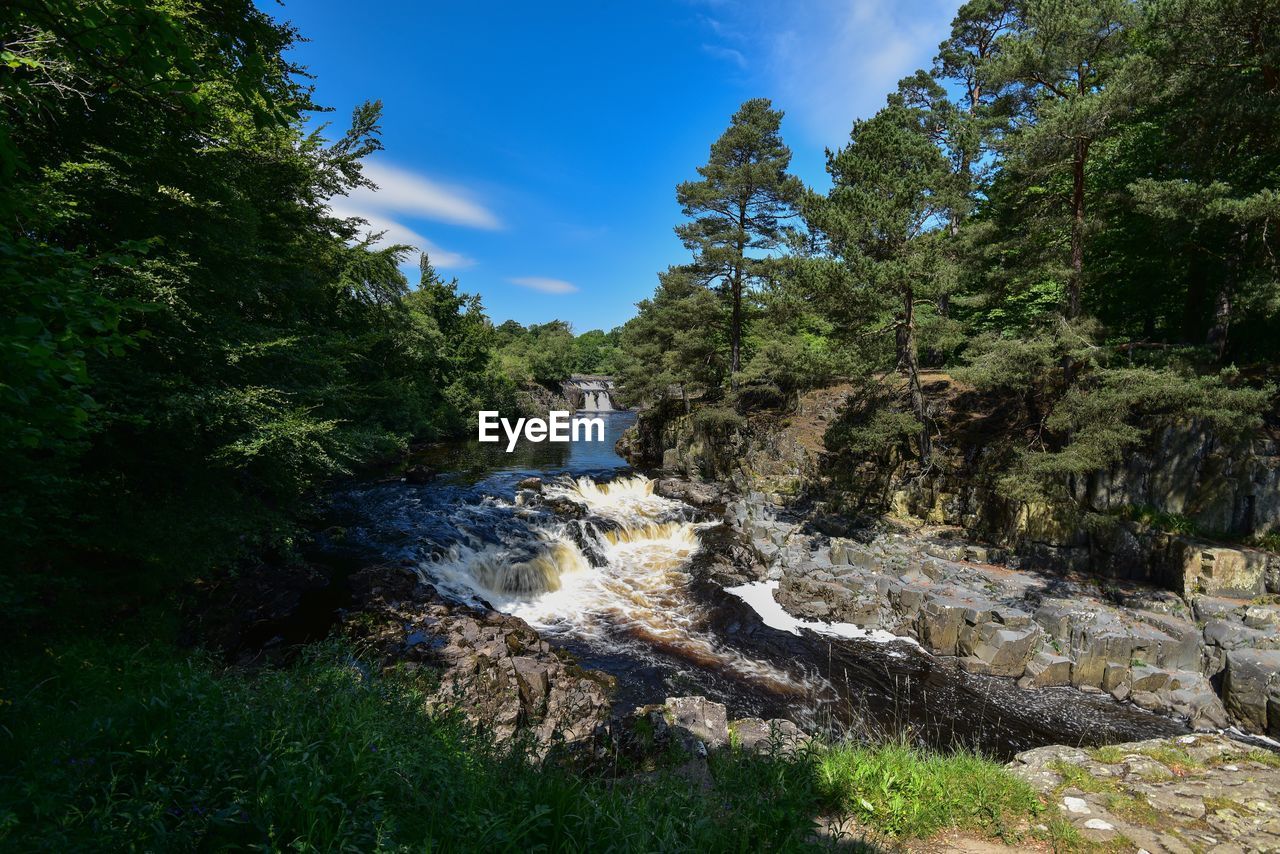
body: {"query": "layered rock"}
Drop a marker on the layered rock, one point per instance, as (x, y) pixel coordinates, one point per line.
(493, 668)
(1184, 471)
(1142, 646)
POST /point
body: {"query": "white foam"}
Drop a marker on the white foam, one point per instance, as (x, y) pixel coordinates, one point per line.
(759, 595)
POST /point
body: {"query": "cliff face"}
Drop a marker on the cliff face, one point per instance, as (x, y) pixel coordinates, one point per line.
(1185, 472)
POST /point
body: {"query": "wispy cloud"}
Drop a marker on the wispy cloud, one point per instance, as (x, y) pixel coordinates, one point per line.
(545, 285)
(726, 53)
(828, 62)
(394, 232)
(404, 192)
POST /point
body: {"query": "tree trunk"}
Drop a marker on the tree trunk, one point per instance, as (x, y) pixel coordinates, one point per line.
(1077, 228)
(735, 325)
(1193, 306)
(1216, 339)
(735, 322)
(909, 364)
(1220, 329)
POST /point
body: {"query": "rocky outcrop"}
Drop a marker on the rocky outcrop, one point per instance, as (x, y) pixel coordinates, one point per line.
(1185, 471)
(696, 725)
(1140, 645)
(1191, 793)
(491, 667)
(1252, 688)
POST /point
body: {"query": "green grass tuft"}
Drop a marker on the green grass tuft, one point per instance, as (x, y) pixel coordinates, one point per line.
(903, 792)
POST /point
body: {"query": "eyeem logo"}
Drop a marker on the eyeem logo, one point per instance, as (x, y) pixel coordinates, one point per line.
(559, 427)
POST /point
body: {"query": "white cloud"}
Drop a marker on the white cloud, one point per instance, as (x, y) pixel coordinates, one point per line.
(726, 53)
(404, 192)
(397, 233)
(828, 62)
(546, 286)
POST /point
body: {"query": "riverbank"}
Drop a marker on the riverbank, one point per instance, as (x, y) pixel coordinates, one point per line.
(124, 742)
(427, 706)
(1175, 625)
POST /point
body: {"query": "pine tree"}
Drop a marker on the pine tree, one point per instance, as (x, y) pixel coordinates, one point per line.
(1062, 61)
(738, 208)
(892, 191)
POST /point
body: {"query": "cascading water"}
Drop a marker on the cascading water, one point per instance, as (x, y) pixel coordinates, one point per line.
(640, 595)
(619, 583)
(594, 394)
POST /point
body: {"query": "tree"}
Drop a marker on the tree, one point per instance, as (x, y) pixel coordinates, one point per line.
(675, 340)
(1192, 185)
(891, 190)
(1061, 59)
(738, 208)
(595, 351)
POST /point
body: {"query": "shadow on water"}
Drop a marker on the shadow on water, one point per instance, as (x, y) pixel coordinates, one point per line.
(871, 689)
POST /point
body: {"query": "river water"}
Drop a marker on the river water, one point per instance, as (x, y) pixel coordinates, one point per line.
(624, 589)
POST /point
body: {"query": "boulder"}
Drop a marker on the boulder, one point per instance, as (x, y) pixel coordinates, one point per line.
(698, 494)
(1006, 651)
(1203, 568)
(704, 720)
(1046, 670)
(419, 474)
(1251, 689)
(533, 484)
(760, 736)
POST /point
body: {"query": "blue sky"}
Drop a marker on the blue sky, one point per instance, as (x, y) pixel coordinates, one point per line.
(533, 148)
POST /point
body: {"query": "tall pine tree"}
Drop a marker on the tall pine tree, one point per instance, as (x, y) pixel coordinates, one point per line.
(738, 208)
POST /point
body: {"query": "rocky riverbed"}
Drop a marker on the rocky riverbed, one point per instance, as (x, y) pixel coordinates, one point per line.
(1213, 661)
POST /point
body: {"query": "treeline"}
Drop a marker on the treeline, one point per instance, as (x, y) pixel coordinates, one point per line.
(548, 353)
(1075, 207)
(190, 342)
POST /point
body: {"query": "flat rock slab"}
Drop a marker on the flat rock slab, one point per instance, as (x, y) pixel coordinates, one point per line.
(1189, 793)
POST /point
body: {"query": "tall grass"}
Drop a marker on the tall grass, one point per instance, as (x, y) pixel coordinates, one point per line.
(110, 747)
(903, 792)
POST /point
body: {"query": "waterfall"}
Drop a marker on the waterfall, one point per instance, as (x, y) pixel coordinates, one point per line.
(595, 394)
(638, 594)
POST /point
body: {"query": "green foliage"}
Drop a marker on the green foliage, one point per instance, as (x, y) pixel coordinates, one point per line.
(1113, 410)
(902, 792)
(597, 352)
(192, 344)
(872, 425)
(544, 353)
(111, 744)
(675, 340)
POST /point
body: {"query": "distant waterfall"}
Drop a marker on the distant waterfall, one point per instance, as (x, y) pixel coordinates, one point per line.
(591, 394)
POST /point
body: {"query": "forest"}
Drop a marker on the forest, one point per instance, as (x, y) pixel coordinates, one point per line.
(1075, 207)
(191, 341)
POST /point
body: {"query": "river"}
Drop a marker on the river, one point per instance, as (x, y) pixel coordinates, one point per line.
(625, 590)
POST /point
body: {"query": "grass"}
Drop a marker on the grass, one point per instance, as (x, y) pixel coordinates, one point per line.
(122, 745)
(1135, 809)
(903, 792)
(1263, 757)
(1075, 777)
(1178, 760)
(1108, 754)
